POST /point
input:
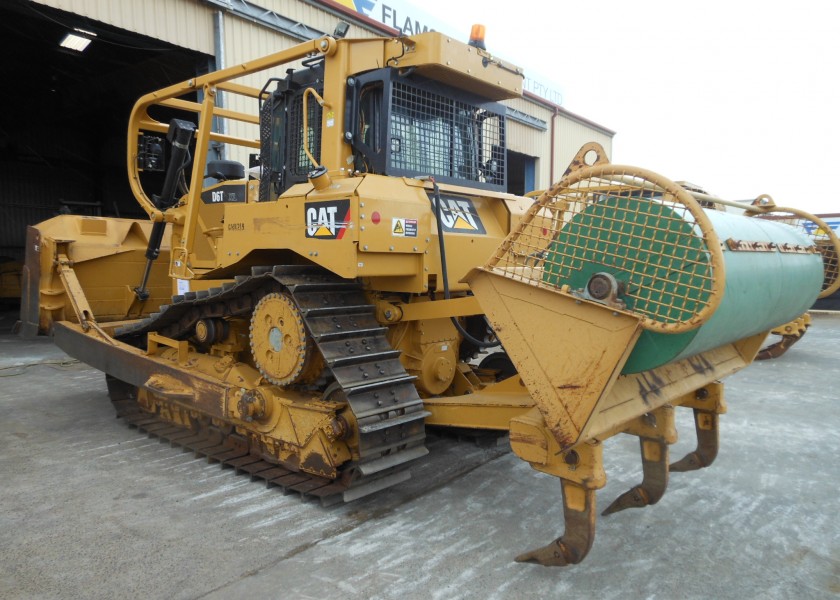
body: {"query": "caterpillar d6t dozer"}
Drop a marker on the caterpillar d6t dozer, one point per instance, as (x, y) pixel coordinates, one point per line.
(335, 301)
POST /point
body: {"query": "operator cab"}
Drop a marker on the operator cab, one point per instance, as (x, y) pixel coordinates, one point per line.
(398, 124)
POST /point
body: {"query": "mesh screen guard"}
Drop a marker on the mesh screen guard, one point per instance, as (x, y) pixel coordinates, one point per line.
(820, 234)
(450, 138)
(641, 228)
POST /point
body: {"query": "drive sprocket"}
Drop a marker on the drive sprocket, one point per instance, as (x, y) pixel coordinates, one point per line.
(282, 351)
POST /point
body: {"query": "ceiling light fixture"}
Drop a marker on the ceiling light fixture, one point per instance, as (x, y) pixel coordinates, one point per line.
(74, 41)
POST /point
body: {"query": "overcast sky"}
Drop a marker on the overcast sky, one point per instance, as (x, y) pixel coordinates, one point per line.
(741, 97)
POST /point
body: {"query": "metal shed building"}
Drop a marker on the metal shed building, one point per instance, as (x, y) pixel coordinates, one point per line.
(62, 134)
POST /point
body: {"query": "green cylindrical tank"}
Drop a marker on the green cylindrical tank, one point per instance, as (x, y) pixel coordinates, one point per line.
(771, 277)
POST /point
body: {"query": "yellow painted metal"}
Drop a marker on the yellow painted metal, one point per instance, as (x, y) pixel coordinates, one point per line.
(568, 352)
(491, 407)
(709, 398)
(461, 306)
(290, 426)
(10, 280)
(431, 54)
(75, 293)
(366, 250)
(531, 440)
(429, 352)
(77, 265)
(658, 424)
(634, 395)
(797, 327)
(568, 395)
(281, 349)
(447, 60)
(180, 346)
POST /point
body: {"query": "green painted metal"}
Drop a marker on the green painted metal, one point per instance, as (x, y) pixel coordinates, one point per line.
(662, 260)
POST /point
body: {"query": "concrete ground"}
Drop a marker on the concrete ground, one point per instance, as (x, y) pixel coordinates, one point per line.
(92, 509)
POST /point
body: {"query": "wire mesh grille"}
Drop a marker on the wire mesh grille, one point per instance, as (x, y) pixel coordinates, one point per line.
(266, 124)
(632, 224)
(299, 164)
(437, 135)
(821, 237)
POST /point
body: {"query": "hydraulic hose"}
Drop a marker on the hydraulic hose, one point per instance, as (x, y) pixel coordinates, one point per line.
(444, 272)
(180, 134)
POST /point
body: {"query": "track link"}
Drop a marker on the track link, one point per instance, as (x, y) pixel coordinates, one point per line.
(229, 450)
(367, 372)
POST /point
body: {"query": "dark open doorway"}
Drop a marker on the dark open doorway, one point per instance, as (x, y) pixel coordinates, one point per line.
(521, 173)
(64, 114)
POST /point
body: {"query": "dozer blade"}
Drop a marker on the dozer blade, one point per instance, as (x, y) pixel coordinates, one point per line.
(576, 541)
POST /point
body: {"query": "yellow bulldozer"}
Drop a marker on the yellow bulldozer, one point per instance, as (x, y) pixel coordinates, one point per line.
(304, 320)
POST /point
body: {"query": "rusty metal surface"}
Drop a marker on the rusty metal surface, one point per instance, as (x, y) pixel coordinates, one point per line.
(573, 546)
(779, 348)
(656, 432)
(654, 482)
(223, 447)
(824, 238)
(790, 333)
(134, 367)
(707, 427)
(570, 352)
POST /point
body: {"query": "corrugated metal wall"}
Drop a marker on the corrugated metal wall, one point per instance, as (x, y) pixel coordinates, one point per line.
(189, 23)
(313, 16)
(245, 40)
(185, 23)
(530, 140)
(571, 135)
(525, 138)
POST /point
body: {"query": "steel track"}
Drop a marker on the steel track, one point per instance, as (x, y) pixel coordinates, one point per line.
(358, 357)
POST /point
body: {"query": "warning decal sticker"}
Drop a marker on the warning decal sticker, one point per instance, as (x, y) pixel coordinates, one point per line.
(404, 227)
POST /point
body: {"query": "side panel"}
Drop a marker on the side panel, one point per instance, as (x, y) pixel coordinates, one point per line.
(376, 227)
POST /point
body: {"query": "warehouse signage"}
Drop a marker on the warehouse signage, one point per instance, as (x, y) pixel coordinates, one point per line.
(393, 13)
